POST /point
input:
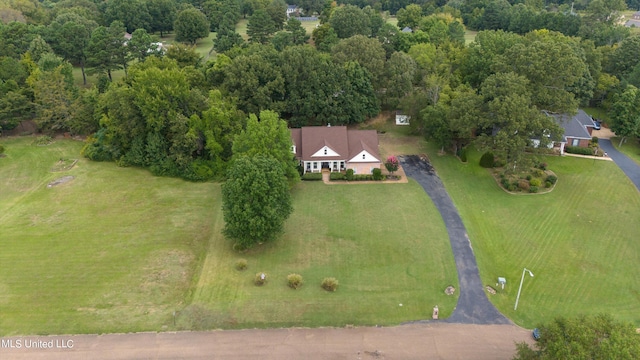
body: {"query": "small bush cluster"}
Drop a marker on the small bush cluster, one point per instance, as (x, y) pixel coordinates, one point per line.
(487, 159)
(499, 163)
(330, 284)
(463, 155)
(542, 166)
(533, 189)
(524, 185)
(579, 150)
(294, 280)
(377, 174)
(241, 264)
(538, 173)
(535, 182)
(336, 176)
(594, 140)
(349, 175)
(552, 179)
(260, 279)
(312, 176)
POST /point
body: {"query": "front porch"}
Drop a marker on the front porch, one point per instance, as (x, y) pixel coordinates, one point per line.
(318, 166)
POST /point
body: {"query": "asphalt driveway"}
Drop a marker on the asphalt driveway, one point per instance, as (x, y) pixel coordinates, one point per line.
(473, 306)
(628, 166)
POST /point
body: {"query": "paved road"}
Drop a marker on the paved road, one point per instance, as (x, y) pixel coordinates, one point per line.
(628, 166)
(473, 306)
(419, 341)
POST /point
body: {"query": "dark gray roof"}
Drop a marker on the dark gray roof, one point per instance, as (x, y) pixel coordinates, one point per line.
(575, 126)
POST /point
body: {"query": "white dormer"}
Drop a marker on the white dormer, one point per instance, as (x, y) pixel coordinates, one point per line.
(364, 156)
(325, 151)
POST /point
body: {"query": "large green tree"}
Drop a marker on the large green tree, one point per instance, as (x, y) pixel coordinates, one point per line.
(270, 137)
(584, 337)
(69, 36)
(255, 201)
(350, 20)
(106, 51)
(132, 13)
(162, 15)
(260, 27)
(368, 52)
(625, 113)
(190, 25)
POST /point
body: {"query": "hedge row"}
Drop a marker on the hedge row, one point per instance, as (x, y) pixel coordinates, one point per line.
(312, 176)
(579, 150)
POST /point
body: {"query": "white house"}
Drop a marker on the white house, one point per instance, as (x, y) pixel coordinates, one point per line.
(336, 148)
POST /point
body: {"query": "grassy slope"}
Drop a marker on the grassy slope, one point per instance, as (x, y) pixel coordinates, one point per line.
(114, 250)
(386, 244)
(579, 240)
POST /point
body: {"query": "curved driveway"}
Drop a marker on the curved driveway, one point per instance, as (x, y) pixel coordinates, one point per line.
(628, 166)
(473, 306)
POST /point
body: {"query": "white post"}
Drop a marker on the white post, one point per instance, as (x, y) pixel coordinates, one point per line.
(520, 288)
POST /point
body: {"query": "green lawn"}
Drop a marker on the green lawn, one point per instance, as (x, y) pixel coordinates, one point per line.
(386, 245)
(118, 250)
(114, 250)
(630, 147)
(580, 240)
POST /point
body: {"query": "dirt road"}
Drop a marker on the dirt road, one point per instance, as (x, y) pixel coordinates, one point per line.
(420, 341)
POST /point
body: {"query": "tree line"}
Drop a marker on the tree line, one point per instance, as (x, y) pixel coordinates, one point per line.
(178, 116)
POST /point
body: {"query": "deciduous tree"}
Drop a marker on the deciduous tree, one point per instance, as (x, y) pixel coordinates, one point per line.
(583, 337)
(625, 113)
(255, 201)
(190, 25)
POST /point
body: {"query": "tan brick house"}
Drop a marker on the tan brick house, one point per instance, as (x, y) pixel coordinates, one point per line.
(336, 148)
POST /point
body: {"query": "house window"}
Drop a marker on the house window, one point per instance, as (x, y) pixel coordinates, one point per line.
(293, 149)
(364, 156)
(325, 151)
(308, 166)
(341, 165)
(575, 142)
(315, 165)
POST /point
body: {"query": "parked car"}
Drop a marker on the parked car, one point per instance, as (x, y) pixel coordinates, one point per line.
(597, 124)
(536, 334)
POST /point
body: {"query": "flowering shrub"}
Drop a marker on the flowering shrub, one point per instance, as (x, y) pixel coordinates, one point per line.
(392, 164)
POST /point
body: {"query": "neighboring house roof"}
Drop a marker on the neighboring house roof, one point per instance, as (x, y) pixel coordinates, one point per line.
(636, 15)
(127, 36)
(340, 142)
(575, 126)
(632, 23)
(407, 29)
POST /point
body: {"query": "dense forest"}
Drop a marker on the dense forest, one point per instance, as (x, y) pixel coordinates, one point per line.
(178, 115)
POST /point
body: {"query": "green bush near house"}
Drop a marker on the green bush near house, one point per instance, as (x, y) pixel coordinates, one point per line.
(487, 160)
(579, 150)
(310, 176)
(336, 176)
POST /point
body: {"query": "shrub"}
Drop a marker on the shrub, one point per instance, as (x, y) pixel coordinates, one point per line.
(377, 174)
(499, 163)
(524, 185)
(552, 179)
(505, 183)
(533, 189)
(512, 188)
(349, 175)
(542, 166)
(2, 149)
(486, 161)
(312, 176)
(463, 154)
(535, 182)
(538, 173)
(329, 284)
(528, 177)
(241, 264)
(336, 176)
(578, 150)
(294, 280)
(548, 184)
(392, 164)
(260, 279)
(594, 140)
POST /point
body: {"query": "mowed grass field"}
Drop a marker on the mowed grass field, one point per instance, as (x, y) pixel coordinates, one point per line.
(386, 245)
(580, 240)
(118, 250)
(114, 250)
